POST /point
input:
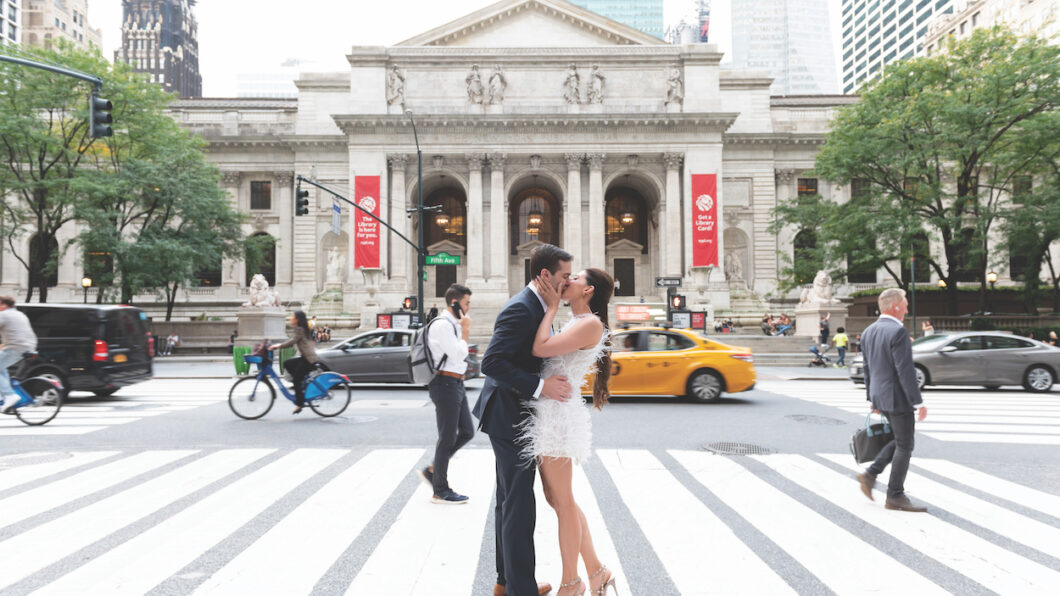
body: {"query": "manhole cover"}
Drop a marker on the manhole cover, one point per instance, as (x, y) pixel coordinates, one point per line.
(811, 419)
(25, 459)
(727, 448)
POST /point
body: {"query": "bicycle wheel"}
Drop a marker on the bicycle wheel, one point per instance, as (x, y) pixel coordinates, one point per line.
(47, 401)
(250, 398)
(332, 394)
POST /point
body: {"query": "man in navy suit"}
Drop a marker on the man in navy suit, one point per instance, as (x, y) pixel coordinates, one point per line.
(512, 379)
(891, 386)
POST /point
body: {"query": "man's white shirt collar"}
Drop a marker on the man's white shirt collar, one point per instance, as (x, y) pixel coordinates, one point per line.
(533, 289)
(884, 316)
(449, 314)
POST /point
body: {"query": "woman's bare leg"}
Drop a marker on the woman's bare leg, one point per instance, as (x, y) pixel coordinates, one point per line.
(556, 475)
(588, 552)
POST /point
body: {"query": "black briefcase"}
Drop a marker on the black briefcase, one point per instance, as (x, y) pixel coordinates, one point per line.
(869, 440)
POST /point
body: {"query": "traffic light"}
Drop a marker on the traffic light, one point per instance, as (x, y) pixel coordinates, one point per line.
(301, 202)
(677, 302)
(99, 118)
(409, 303)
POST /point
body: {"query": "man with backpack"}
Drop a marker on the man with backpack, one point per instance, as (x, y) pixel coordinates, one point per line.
(445, 339)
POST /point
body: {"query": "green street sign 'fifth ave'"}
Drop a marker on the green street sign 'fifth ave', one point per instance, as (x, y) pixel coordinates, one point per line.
(443, 258)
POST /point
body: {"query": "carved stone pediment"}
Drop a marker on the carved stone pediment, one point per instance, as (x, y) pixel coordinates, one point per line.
(625, 246)
(446, 246)
(526, 247)
(532, 23)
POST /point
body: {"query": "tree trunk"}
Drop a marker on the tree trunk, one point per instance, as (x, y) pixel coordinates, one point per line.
(171, 298)
(951, 296)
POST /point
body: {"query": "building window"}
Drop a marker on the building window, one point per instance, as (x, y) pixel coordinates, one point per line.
(260, 257)
(805, 260)
(449, 223)
(975, 19)
(536, 218)
(807, 186)
(626, 218)
(261, 194)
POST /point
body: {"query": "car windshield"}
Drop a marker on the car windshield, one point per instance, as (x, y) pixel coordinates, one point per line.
(930, 342)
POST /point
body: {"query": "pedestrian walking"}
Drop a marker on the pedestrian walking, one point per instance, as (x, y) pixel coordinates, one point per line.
(823, 328)
(892, 388)
(447, 338)
(432, 314)
(841, 340)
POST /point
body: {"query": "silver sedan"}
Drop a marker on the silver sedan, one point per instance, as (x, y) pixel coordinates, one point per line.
(986, 358)
(380, 356)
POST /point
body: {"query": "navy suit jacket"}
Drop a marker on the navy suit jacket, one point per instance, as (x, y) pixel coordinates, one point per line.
(512, 371)
(890, 377)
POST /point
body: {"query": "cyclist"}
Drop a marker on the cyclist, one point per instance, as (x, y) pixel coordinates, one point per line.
(299, 367)
(16, 338)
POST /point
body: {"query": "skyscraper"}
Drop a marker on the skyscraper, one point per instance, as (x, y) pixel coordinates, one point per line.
(646, 15)
(160, 37)
(790, 39)
(878, 32)
(46, 21)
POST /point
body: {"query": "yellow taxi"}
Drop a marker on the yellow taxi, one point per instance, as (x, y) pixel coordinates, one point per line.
(679, 362)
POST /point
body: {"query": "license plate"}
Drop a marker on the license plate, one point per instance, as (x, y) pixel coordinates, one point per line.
(120, 358)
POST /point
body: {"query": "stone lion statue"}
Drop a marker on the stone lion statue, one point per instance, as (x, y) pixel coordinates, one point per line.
(260, 294)
(821, 292)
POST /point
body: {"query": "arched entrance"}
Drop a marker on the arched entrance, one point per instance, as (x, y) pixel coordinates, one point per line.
(445, 231)
(535, 211)
(628, 237)
(260, 257)
(737, 257)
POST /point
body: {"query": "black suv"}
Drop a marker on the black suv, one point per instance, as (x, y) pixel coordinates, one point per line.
(90, 348)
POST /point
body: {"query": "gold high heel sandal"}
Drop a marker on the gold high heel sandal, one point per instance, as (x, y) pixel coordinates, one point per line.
(577, 580)
(610, 583)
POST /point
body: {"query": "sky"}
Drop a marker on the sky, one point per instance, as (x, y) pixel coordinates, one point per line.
(254, 36)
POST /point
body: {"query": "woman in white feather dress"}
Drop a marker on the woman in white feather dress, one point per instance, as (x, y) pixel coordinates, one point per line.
(558, 433)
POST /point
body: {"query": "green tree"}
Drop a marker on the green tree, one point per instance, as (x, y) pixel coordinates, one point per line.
(929, 148)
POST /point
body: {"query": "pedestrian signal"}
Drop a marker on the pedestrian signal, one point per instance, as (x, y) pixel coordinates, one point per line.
(409, 303)
(677, 302)
(301, 202)
(99, 118)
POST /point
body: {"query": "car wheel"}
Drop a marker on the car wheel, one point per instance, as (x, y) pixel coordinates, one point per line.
(52, 375)
(1039, 378)
(921, 377)
(705, 386)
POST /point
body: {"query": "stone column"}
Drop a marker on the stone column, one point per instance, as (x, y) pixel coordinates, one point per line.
(476, 257)
(784, 179)
(573, 217)
(596, 224)
(285, 243)
(399, 249)
(670, 252)
(233, 271)
(69, 274)
(498, 221)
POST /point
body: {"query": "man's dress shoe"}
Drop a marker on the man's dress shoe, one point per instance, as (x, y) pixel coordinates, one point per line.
(542, 589)
(903, 504)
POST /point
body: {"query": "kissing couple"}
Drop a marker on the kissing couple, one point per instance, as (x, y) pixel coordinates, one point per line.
(531, 407)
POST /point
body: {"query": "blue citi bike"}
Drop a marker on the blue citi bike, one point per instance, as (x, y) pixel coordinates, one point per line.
(39, 398)
(326, 392)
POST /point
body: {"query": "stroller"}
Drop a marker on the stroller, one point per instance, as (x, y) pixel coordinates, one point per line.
(820, 360)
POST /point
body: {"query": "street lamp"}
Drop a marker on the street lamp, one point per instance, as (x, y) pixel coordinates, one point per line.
(419, 216)
(942, 284)
(86, 283)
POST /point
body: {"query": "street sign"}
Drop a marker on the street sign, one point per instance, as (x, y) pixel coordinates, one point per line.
(336, 219)
(400, 320)
(681, 319)
(443, 258)
(699, 320)
(382, 321)
(668, 282)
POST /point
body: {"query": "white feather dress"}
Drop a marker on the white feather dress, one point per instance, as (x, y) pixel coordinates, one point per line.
(563, 429)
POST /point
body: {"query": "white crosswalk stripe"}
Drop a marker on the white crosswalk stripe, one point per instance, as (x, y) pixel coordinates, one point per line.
(170, 508)
(967, 415)
(80, 416)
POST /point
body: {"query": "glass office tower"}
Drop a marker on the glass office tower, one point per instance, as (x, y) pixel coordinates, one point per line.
(646, 15)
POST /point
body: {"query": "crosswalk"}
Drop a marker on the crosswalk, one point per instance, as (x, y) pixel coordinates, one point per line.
(82, 414)
(968, 415)
(358, 521)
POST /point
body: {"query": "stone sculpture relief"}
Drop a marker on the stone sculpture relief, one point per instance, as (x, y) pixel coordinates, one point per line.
(498, 83)
(395, 87)
(336, 268)
(475, 90)
(572, 86)
(334, 251)
(675, 85)
(734, 264)
(260, 294)
(596, 85)
(820, 293)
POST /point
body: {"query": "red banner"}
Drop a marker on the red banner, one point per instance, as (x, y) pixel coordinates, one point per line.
(366, 241)
(704, 220)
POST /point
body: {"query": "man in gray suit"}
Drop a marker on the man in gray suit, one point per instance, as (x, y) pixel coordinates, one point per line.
(890, 384)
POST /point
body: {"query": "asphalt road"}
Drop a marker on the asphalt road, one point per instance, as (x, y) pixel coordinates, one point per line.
(300, 504)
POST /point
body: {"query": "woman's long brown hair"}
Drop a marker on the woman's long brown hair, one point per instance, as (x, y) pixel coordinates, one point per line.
(603, 286)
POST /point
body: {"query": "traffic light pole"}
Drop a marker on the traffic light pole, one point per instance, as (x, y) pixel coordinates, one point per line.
(98, 82)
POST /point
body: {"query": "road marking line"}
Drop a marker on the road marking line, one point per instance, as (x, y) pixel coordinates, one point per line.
(19, 475)
(43, 545)
(840, 559)
(995, 518)
(999, 487)
(388, 404)
(699, 552)
(150, 558)
(992, 566)
(43, 498)
(1041, 429)
(423, 539)
(48, 430)
(995, 438)
(354, 496)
